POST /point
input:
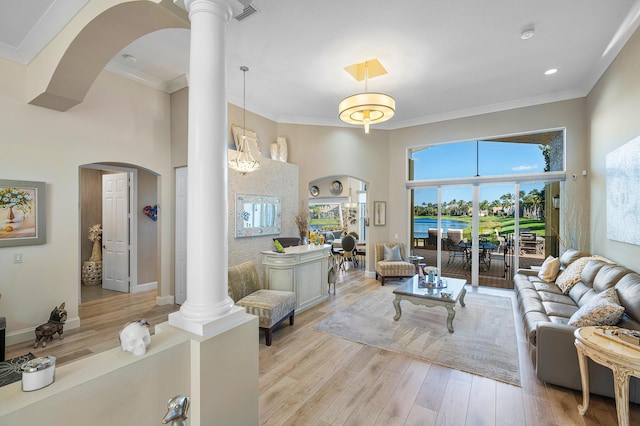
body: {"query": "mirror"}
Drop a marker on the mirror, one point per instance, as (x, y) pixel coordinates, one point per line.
(257, 215)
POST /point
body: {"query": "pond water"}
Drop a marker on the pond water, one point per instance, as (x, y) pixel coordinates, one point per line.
(421, 226)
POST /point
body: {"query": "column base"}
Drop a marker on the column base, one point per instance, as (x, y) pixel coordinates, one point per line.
(209, 327)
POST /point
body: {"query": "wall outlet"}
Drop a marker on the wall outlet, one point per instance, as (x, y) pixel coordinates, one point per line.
(395, 236)
(17, 258)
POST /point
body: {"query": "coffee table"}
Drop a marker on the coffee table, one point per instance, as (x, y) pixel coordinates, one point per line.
(430, 297)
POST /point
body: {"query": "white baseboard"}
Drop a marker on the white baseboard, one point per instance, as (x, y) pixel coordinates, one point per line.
(144, 287)
(165, 300)
(370, 274)
(27, 334)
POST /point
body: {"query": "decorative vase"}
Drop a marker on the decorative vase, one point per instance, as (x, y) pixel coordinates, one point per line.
(92, 273)
(96, 251)
(11, 216)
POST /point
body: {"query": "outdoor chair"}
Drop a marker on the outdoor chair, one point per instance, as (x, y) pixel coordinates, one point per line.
(432, 239)
(454, 250)
(455, 235)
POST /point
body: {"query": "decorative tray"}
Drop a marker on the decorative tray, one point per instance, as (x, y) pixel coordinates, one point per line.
(439, 283)
(623, 336)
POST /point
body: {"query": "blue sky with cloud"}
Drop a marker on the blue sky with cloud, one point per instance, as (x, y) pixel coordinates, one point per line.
(458, 160)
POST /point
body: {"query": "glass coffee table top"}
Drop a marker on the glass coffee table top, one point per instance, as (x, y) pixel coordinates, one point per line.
(452, 290)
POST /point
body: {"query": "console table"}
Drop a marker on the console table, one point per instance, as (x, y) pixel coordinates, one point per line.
(300, 269)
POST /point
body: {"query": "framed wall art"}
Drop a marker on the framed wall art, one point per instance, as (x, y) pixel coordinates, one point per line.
(623, 200)
(379, 213)
(22, 213)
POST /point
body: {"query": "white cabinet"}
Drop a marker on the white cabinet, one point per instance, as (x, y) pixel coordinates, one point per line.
(301, 269)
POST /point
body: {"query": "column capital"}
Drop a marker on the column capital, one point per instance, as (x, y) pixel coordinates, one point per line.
(220, 8)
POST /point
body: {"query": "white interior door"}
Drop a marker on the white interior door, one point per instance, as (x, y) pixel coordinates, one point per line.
(115, 232)
(181, 236)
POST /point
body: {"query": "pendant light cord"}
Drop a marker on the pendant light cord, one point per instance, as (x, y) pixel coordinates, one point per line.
(244, 70)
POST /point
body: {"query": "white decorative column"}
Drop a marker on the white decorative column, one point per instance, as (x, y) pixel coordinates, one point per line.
(208, 309)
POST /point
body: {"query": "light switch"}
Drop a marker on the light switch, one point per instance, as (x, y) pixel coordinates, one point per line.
(17, 258)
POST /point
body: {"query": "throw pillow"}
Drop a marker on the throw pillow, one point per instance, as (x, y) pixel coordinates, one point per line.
(602, 309)
(549, 269)
(392, 254)
(570, 276)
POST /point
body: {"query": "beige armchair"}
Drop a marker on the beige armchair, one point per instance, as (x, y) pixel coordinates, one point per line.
(392, 268)
(271, 307)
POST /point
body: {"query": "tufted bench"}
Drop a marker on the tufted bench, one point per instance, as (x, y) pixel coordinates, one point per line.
(271, 307)
(392, 268)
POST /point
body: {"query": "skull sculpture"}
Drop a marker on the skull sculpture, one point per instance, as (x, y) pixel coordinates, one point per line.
(135, 337)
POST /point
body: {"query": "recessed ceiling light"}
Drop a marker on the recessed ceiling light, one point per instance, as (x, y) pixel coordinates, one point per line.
(526, 34)
(551, 71)
(130, 58)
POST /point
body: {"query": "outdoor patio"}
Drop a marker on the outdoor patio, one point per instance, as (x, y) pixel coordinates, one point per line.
(494, 276)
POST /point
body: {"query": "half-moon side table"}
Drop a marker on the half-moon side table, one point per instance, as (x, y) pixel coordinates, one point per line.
(623, 360)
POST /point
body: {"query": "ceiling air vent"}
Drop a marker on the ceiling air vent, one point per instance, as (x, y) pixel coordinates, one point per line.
(246, 12)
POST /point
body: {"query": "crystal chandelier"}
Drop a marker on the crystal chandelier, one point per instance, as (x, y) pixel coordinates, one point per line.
(242, 160)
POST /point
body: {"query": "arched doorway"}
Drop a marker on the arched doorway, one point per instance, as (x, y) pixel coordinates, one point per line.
(339, 203)
(142, 257)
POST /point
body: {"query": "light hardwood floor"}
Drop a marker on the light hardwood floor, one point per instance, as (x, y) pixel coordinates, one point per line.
(308, 377)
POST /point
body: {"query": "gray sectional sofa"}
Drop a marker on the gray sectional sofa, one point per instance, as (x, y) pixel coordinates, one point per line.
(546, 311)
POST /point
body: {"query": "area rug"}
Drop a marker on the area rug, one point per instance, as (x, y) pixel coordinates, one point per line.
(483, 343)
(10, 369)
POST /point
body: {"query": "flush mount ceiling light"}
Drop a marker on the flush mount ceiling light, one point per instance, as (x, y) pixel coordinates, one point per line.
(527, 34)
(243, 161)
(366, 108)
(551, 71)
(130, 58)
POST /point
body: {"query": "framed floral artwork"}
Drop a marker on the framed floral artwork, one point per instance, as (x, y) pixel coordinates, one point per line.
(22, 213)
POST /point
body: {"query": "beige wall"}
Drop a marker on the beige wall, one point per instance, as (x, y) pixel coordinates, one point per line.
(90, 206)
(147, 228)
(612, 113)
(119, 121)
(567, 114)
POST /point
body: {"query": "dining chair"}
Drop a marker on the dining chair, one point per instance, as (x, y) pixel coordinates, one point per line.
(348, 251)
(361, 254)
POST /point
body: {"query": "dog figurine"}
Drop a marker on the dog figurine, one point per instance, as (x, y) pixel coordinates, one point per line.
(56, 322)
(177, 410)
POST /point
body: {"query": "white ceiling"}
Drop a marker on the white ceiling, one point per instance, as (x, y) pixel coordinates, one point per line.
(445, 58)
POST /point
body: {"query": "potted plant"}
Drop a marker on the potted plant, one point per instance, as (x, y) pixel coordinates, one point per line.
(302, 222)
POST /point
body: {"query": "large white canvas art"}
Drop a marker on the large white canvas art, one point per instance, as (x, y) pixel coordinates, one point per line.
(623, 193)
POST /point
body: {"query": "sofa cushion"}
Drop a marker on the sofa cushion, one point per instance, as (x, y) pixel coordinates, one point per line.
(270, 306)
(601, 309)
(531, 304)
(549, 269)
(629, 294)
(546, 296)
(547, 287)
(608, 276)
(554, 309)
(392, 254)
(570, 256)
